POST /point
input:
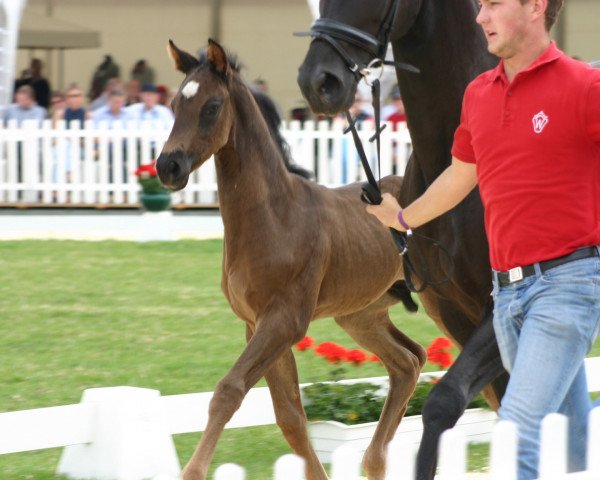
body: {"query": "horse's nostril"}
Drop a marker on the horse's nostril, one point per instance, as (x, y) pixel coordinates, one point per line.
(173, 167)
(328, 85)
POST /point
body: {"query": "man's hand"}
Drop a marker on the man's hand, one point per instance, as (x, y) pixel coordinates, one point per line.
(387, 212)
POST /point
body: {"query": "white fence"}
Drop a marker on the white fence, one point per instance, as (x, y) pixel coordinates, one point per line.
(45, 165)
(125, 432)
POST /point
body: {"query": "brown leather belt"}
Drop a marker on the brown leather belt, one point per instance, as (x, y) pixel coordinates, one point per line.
(519, 273)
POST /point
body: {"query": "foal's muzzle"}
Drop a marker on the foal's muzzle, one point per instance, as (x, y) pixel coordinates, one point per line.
(174, 169)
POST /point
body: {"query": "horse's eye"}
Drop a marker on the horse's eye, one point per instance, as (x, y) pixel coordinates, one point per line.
(211, 110)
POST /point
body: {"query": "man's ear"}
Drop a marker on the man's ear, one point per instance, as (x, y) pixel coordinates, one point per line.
(184, 62)
(217, 57)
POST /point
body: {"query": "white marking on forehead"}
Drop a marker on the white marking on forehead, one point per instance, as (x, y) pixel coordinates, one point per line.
(190, 89)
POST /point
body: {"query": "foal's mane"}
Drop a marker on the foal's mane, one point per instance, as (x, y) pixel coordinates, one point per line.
(269, 112)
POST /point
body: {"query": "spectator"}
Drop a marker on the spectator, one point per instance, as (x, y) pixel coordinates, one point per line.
(57, 103)
(74, 110)
(142, 72)
(33, 77)
(114, 110)
(150, 108)
(399, 113)
(164, 96)
(25, 106)
(133, 88)
(102, 100)
(104, 72)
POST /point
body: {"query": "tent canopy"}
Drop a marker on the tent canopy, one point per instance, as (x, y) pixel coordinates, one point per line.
(41, 32)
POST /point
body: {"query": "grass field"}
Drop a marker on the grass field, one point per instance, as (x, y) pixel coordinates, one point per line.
(77, 315)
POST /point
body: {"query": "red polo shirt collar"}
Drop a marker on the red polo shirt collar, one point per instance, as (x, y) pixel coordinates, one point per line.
(551, 54)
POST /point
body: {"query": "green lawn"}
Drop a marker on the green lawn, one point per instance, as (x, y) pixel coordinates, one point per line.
(77, 315)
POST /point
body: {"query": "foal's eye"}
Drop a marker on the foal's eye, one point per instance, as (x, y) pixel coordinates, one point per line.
(211, 110)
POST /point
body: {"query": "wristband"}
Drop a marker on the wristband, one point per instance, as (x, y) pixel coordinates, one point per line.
(402, 222)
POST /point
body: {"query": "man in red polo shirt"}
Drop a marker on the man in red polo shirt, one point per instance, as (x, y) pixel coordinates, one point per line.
(530, 138)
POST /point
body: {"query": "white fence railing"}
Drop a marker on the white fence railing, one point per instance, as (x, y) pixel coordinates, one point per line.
(94, 165)
(125, 432)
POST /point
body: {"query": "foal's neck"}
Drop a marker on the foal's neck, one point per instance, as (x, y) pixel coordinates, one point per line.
(251, 174)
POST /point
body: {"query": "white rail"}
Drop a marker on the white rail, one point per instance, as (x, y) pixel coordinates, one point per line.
(46, 164)
(132, 427)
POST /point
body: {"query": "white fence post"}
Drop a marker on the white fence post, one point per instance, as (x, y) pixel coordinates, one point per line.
(345, 463)
(401, 460)
(593, 447)
(230, 471)
(553, 446)
(130, 440)
(503, 451)
(452, 455)
(289, 467)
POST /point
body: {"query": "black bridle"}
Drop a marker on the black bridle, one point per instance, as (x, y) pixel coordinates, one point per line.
(332, 31)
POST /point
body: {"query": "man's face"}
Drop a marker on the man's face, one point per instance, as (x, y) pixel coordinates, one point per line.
(116, 103)
(23, 100)
(505, 24)
(74, 99)
(149, 99)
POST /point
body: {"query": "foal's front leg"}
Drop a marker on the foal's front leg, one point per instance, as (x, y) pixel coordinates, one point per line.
(276, 332)
(282, 378)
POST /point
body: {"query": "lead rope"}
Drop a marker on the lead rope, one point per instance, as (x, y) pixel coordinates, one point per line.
(371, 194)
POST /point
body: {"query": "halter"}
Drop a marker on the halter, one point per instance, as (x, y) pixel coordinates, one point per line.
(331, 31)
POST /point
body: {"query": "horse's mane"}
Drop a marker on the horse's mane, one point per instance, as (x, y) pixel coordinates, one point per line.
(271, 115)
(269, 111)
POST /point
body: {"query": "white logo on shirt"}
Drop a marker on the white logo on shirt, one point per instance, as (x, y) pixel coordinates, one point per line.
(540, 120)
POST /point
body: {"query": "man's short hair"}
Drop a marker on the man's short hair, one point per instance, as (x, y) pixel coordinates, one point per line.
(26, 89)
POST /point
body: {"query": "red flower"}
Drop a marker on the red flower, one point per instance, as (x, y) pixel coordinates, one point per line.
(438, 352)
(356, 356)
(374, 358)
(147, 170)
(333, 352)
(305, 344)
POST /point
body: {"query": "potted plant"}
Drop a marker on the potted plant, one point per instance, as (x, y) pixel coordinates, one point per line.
(154, 197)
(347, 411)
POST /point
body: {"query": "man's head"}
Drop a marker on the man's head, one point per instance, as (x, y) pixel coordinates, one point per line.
(25, 96)
(74, 97)
(149, 95)
(116, 100)
(511, 26)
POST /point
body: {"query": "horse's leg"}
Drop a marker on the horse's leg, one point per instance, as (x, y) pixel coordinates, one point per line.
(282, 378)
(403, 359)
(276, 331)
(478, 365)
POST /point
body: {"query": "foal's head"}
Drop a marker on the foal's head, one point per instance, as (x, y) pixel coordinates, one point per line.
(203, 114)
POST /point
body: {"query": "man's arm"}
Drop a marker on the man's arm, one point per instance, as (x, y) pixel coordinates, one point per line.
(444, 193)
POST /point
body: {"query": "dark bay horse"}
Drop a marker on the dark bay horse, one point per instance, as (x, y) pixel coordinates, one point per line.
(441, 39)
(294, 251)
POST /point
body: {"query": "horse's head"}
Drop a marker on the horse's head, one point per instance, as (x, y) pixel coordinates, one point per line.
(349, 34)
(203, 114)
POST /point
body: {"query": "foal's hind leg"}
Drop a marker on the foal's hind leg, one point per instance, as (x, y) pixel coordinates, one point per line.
(478, 364)
(403, 359)
(282, 378)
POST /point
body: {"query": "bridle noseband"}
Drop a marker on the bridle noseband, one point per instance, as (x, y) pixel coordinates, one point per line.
(332, 31)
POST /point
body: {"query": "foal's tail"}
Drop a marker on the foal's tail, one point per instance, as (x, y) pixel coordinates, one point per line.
(400, 291)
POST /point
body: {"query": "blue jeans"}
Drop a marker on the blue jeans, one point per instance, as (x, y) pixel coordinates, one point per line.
(545, 325)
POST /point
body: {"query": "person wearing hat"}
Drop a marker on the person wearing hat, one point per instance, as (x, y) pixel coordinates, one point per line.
(149, 109)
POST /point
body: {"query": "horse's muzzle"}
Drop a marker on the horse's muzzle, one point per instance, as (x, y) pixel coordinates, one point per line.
(174, 169)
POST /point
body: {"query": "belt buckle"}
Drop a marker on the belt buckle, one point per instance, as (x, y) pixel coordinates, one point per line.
(515, 274)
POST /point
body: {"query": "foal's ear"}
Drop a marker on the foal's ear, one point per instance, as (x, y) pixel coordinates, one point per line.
(217, 57)
(183, 60)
